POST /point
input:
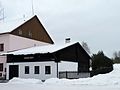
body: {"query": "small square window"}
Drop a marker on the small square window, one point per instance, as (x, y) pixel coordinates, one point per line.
(30, 34)
(1, 47)
(47, 70)
(36, 70)
(26, 69)
(20, 32)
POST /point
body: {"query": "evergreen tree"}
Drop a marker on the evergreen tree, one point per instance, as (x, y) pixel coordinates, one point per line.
(100, 61)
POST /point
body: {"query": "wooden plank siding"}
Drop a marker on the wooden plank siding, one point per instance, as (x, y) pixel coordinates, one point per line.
(75, 53)
(33, 29)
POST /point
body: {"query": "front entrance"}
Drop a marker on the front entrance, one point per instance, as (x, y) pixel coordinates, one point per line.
(13, 71)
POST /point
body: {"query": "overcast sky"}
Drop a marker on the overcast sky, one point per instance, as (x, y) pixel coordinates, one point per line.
(96, 22)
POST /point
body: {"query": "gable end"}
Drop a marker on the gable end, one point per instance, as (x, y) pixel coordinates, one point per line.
(33, 29)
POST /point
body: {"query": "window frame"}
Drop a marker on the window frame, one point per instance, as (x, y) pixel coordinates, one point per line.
(20, 32)
(30, 34)
(47, 69)
(1, 47)
(36, 69)
(27, 70)
(1, 66)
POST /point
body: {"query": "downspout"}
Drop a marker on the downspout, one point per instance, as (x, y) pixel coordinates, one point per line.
(76, 52)
(56, 60)
(57, 71)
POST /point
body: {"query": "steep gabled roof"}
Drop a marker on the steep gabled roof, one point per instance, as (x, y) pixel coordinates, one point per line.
(7, 27)
(27, 25)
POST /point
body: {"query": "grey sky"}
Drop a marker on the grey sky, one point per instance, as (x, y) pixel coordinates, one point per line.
(96, 22)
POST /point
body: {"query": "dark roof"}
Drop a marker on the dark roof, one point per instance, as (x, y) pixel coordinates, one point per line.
(74, 53)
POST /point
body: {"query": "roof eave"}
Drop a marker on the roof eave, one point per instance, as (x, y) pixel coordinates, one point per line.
(5, 33)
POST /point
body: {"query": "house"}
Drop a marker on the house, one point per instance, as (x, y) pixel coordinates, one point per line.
(21, 34)
(51, 61)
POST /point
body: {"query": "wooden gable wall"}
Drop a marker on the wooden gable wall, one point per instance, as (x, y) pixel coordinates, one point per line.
(75, 53)
(33, 29)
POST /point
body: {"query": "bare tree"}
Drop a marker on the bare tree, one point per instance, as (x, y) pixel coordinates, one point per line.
(85, 46)
(119, 54)
(115, 55)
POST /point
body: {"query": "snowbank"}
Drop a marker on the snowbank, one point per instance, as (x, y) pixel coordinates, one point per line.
(24, 81)
(112, 78)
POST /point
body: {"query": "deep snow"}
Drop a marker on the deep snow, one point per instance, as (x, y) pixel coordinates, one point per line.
(110, 81)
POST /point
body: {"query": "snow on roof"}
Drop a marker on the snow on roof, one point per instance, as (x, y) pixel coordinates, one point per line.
(13, 24)
(41, 49)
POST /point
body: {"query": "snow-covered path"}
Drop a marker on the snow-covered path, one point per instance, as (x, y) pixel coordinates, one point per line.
(110, 81)
(55, 87)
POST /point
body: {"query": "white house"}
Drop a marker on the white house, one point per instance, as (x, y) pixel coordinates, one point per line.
(51, 61)
(21, 34)
(37, 70)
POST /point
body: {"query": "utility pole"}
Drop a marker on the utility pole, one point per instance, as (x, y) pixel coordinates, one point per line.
(2, 14)
(32, 8)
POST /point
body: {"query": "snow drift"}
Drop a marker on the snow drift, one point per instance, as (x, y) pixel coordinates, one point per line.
(112, 78)
(24, 81)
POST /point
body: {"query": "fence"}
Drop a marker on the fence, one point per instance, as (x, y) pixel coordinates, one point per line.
(73, 74)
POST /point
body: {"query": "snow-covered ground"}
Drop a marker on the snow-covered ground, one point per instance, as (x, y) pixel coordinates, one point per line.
(110, 81)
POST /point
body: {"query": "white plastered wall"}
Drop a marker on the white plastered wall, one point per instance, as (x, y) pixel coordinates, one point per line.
(17, 43)
(4, 39)
(41, 76)
(3, 60)
(67, 66)
(12, 42)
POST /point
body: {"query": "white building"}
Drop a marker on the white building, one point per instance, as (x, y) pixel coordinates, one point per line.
(51, 61)
(21, 34)
(37, 70)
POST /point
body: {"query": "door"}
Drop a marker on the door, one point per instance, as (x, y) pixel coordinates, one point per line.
(13, 71)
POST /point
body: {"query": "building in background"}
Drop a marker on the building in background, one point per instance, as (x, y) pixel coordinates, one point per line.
(21, 34)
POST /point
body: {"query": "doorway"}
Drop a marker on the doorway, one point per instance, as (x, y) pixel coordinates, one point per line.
(13, 71)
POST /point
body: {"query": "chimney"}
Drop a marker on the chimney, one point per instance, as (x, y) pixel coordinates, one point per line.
(67, 40)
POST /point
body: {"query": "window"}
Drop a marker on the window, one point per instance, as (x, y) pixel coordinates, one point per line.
(36, 70)
(30, 34)
(0, 74)
(20, 32)
(47, 70)
(26, 69)
(1, 66)
(1, 47)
